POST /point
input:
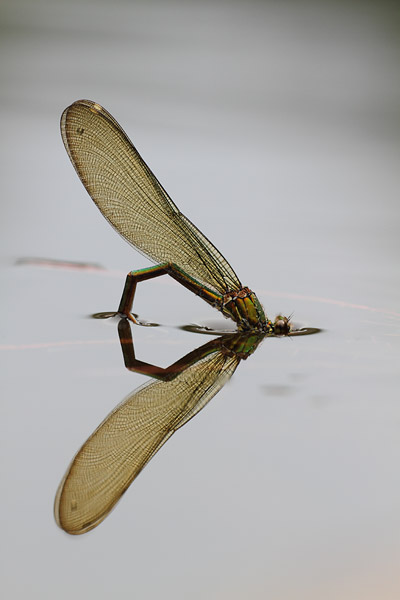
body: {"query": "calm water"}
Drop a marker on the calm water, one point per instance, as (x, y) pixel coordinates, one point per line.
(275, 129)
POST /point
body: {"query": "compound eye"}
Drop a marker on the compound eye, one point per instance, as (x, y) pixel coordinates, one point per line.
(281, 325)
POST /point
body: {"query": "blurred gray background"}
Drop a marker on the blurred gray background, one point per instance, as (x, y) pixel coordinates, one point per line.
(275, 127)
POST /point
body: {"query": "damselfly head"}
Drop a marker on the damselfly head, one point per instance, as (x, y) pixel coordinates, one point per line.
(282, 325)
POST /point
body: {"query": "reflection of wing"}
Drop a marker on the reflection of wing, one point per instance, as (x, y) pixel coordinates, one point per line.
(130, 436)
(132, 199)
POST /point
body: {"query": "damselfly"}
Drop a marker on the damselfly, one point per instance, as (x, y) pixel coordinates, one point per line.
(123, 444)
(132, 199)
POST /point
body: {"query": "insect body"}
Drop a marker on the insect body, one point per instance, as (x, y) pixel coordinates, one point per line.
(132, 199)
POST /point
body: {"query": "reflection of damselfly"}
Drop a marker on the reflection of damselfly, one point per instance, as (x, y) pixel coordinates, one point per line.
(134, 431)
(137, 206)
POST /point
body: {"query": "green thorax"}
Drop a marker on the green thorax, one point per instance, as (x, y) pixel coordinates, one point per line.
(245, 309)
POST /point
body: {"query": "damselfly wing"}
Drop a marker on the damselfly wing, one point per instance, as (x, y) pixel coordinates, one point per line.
(136, 429)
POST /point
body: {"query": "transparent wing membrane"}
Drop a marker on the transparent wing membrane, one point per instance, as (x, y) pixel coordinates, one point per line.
(134, 202)
(130, 436)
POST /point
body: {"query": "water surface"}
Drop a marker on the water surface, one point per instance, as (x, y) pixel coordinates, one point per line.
(275, 129)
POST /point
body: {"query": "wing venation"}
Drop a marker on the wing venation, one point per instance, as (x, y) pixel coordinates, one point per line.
(132, 199)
